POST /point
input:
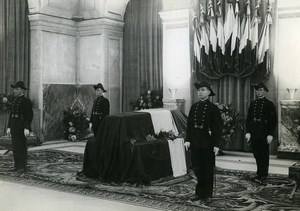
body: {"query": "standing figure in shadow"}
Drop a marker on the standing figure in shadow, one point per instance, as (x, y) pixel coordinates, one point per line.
(19, 122)
(100, 109)
(260, 127)
(204, 129)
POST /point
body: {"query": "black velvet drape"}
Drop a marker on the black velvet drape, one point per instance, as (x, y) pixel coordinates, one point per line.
(142, 49)
(14, 43)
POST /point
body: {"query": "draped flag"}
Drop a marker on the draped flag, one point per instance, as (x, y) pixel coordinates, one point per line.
(220, 28)
(231, 46)
(236, 32)
(264, 42)
(212, 27)
(197, 45)
(245, 28)
(229, 21)
(247, 55)
(254, 29)
(204, 29)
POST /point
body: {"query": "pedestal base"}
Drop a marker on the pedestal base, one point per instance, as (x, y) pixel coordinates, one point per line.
(173, 104)
(288, 155)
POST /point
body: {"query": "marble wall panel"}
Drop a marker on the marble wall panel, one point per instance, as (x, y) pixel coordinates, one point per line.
(59, 58)
(290, 120)
(59, 8)
(57, 98)
(114, 74)
(91, 63)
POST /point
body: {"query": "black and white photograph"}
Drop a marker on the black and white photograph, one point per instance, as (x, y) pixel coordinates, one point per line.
(144, 105)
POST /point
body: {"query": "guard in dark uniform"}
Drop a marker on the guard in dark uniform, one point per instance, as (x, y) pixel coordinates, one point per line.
(19, 122)
(100, 108)
(260, 127)
(204, 128)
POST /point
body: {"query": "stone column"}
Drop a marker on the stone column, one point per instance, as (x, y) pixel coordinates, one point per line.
(176, 58)
(69, 56)
(100, 54)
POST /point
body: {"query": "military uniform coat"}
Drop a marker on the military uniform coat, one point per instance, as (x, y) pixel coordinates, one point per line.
(204, 125)
(99, 111)
(204, 128)
(261, 121)
(20, 118)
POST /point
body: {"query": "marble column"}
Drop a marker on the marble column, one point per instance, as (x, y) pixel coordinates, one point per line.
(290, 120)
(100, 55)
(67, 58)
(176, 58)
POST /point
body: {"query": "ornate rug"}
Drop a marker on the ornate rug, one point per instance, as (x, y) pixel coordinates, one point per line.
(234, 190)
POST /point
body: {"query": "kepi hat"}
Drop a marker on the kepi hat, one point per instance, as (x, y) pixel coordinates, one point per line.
(19, 84)
(261, 85)
(204, 84)
(99, 85)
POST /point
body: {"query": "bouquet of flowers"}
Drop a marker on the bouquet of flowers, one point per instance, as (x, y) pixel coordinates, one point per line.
(5, 102)
(75, 124)
(164, 135)
(232, 121)
(148, 99)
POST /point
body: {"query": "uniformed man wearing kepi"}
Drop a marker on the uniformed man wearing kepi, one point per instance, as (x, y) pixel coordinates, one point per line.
(260, 127)
(204, 128)
(19, 122)
(100, 108)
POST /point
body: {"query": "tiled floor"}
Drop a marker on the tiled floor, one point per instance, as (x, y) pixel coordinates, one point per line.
(18, 197)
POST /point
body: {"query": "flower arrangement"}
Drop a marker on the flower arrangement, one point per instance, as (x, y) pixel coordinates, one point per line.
(164, 135)
(75, 124)
(232, 121)
(288, 147)
(148, 99)
(5, 102)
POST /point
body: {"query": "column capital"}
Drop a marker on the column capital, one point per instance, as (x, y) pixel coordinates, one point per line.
(171, 16)
(174, 104)
(52, 24)
(94, 26)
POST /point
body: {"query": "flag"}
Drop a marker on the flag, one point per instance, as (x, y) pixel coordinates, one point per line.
(246, 28)
(264, 41)
(229, 21)
(220, 28)
(203, 30)
(254, 26)
(197, 45)
(236, 32)
(212, 27)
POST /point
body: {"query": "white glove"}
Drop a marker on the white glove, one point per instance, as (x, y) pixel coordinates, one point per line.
(26, 132)
(269, 139)
(248, 136)
(90, 127)
(216, 150)
(187, 145)
(8, 132)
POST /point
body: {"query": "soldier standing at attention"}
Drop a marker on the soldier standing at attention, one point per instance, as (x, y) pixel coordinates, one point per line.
(19, 122)
(100, 109)
(260, 126)
(204, 128)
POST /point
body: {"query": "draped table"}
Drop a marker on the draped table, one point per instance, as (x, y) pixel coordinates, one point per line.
(121, 153)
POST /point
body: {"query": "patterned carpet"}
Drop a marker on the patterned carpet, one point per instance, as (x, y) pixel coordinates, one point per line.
(234, 190)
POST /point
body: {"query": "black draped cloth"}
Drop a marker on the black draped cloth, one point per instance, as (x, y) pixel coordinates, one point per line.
(121, 153)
